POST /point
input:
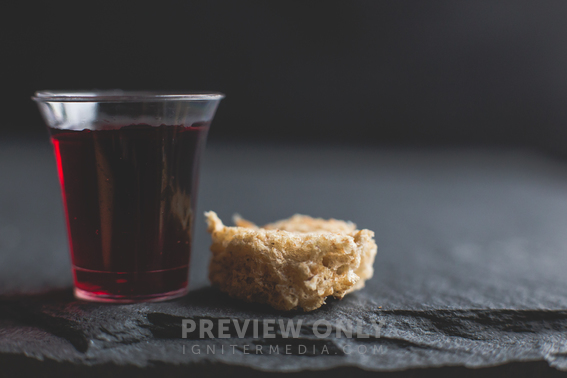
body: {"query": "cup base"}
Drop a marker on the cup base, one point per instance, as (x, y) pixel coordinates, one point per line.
(130, 287)
(105, 298)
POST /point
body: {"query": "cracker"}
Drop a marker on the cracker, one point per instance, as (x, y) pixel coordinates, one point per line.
(290, 264)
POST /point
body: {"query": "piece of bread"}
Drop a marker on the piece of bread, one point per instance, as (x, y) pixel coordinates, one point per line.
(290, 264)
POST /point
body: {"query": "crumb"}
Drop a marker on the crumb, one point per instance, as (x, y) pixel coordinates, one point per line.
(290, 264)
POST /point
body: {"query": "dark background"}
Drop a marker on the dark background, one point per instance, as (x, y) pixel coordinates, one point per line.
(376, 72)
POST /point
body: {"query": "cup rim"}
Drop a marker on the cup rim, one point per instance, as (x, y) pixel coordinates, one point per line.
(117, 95)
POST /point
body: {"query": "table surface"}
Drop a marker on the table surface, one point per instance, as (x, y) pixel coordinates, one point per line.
(469, 277)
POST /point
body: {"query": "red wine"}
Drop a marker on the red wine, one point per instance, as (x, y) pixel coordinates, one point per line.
(129, 194)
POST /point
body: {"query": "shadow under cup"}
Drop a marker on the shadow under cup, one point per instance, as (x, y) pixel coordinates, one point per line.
(128, 164)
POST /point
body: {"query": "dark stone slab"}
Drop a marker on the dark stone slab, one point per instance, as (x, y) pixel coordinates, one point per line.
(470, 275)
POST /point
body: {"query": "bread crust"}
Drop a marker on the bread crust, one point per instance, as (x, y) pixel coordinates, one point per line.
(290, 264)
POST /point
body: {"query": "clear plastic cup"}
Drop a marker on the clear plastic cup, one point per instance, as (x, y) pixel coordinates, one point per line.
(128, 164)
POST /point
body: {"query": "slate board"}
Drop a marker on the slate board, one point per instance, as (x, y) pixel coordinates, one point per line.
(470, 275)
